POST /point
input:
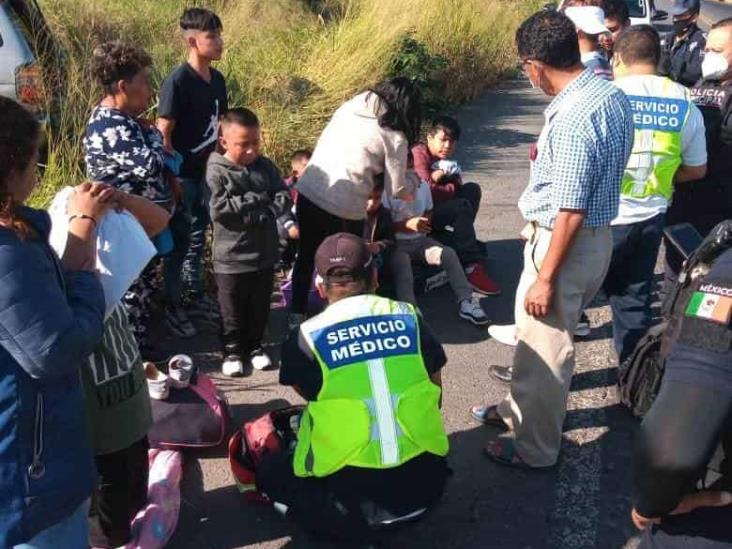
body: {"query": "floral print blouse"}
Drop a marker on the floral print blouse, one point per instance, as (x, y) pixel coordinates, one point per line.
(127, 154)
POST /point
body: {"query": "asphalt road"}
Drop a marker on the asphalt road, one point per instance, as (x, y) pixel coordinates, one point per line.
(583, 503)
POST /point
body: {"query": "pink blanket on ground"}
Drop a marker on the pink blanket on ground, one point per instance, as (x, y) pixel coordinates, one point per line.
(154, 524)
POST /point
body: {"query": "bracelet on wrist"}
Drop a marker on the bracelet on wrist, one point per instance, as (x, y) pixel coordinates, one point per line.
(83, 216)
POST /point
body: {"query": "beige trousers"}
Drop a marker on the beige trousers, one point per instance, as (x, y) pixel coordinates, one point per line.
(544, 360)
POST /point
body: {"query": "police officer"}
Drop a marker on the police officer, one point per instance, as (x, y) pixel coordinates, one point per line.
(371, 444)
(683, 48)
(688, 420)
(706, 202)
(669, 150)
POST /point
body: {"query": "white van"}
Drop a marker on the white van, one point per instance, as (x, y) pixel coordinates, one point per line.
(639, 10)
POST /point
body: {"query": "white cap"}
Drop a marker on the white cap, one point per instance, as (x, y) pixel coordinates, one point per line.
(588, 19)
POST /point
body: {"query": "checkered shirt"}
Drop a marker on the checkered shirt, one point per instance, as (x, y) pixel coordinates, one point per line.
(581, 154)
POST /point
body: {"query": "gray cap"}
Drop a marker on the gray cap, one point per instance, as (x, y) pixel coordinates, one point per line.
(681, 7)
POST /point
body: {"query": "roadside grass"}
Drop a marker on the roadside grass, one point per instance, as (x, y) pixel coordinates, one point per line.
(292, 61)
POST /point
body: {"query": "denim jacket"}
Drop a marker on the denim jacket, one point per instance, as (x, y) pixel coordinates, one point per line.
(50, 321)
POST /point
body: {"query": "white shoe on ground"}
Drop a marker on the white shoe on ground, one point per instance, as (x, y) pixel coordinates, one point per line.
(260, 360)
(157, 382)
(180, 370)
(232, 366)
(504, 333)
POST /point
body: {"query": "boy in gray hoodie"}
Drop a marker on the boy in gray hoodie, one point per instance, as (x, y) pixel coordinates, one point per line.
(248, 200)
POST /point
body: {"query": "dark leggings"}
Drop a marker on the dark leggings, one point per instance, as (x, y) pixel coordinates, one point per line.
(677, 440)
(315, 226)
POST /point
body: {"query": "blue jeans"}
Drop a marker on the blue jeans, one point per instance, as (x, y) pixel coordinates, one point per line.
(629, 281)
(71, 533)
(183, 267)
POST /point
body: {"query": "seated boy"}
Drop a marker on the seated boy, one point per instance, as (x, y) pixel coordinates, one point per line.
(412, 223)
(248, 199)
(456, 203)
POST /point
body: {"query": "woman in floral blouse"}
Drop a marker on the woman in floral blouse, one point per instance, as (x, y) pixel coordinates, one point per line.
(125, 151)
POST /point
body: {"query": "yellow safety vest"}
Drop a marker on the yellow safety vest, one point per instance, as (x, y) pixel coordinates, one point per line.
(660, 112)
(377, 407)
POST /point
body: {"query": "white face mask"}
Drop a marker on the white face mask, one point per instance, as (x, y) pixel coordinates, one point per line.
(714, 66)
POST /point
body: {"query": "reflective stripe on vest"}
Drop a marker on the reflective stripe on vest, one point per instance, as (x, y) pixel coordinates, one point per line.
(656, 156)
(377, 407)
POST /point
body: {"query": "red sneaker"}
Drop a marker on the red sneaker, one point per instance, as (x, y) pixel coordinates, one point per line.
(480, 281)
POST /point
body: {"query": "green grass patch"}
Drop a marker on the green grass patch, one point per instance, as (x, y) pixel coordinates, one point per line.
(292, 61)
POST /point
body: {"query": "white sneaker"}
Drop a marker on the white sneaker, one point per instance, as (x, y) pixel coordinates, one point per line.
(180, 370)
(260, 360)
(471, 311)
(157, 382)
(505, 333)
(232, 366)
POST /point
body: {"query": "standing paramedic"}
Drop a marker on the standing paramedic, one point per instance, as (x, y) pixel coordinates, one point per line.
(571, 199)
(371, 443)
(192, 101)
(669, 150)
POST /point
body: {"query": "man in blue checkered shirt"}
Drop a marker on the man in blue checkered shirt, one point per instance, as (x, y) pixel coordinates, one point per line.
(572, 196)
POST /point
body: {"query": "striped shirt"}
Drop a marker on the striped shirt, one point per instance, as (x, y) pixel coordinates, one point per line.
(581, 154)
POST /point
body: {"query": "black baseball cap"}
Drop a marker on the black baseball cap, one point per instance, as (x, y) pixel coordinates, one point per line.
(343, 251)
(680, 7)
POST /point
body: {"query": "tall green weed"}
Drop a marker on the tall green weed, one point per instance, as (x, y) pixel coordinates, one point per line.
(292, 61)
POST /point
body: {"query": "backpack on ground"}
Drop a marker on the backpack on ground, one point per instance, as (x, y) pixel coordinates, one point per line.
(274, 432)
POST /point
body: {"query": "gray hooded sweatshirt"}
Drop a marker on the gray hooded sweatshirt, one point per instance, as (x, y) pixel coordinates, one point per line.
(246, 204)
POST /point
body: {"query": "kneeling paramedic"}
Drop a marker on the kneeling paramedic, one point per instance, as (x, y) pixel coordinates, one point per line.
(371, 443)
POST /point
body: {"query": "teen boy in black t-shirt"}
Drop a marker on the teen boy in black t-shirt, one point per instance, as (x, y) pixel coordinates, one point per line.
(192, 100)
